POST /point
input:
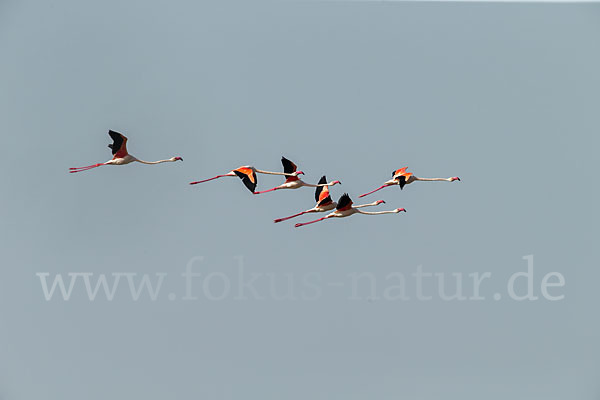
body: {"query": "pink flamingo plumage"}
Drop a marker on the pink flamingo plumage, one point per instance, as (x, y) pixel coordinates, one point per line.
(292, 181)
(324, 202)
(344, 208)
(401, 177)
(248, 176)
(120, 155)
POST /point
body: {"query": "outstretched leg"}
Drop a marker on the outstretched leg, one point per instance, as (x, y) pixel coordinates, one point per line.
(80, 169)
(310, 222)
(269, 190)
(373, 191)
(210, 179)
(292, 216)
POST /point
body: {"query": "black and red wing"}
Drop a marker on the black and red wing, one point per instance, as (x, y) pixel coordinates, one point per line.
(319, 189)
(326, 200)
(344, 203)
(247, 176)
(119, 145)
(324, 197)
(398, 172)
(288, 166)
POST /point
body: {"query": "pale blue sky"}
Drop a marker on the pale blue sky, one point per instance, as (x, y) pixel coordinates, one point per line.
(504, 96)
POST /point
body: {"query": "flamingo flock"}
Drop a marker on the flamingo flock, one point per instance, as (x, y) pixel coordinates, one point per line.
(344, 207)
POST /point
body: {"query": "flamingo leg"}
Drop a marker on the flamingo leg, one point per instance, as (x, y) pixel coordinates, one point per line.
(373, 191)
(310, 222)
(80, 169)
(269, 190)
(291, 216)
(209, 179)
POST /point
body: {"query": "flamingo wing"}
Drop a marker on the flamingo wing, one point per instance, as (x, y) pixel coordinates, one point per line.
(288, 166)
(344, 203)
(322, 193)
(325, 201)
(398, 172)
(402, 180)
(401, 176)
(248, 177)
(119, 145)
(319, 189)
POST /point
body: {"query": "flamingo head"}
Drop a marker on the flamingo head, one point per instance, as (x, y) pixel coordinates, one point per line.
(177, 159)
(379, 202)
(400, 209)
(454, 178)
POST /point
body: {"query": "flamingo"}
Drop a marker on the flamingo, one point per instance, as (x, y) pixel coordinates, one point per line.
(120, 155)
(292, 181)
(324, 202)
(344, 208)
(247, 174)
(401, 177)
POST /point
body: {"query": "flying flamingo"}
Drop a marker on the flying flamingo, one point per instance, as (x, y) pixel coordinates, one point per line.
(324, 202)
(344, 208)
(247, 174)
(292, 181)
(401, 177)
(120, 155)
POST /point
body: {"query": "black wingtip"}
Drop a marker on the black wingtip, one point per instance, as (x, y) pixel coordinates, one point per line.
(402, 182)
(343, 201)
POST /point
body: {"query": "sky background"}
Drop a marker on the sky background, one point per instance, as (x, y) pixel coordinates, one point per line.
(504, 96)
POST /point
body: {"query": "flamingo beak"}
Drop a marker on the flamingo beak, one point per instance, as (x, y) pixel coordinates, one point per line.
(381, 202)
(401, 209)
(299, 173)
(178, 158)
(456, 178)
(338, 182)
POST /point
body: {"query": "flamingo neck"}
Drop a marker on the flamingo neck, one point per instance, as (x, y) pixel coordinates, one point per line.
(367, 205)
(153, 162)
(376, 212)
(433, 179)
(271, 172)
